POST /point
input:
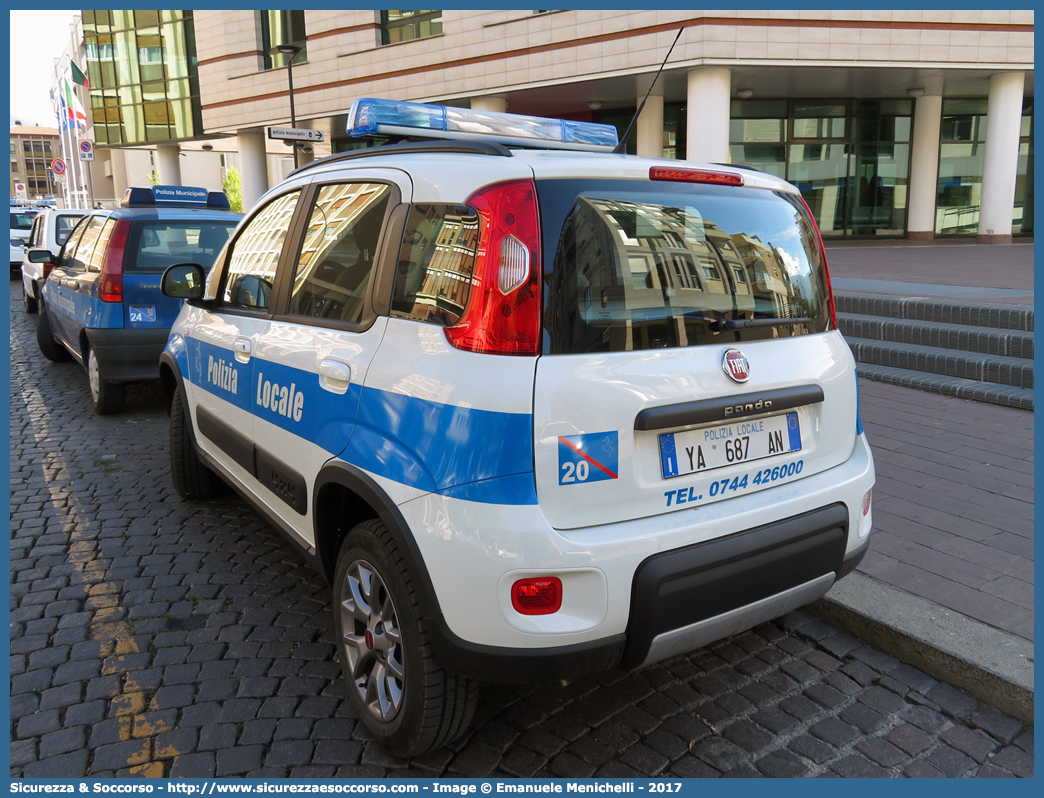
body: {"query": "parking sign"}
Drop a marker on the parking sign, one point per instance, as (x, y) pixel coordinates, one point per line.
(86, 151)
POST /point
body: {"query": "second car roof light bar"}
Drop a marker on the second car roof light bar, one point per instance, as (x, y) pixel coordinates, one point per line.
(369, 117)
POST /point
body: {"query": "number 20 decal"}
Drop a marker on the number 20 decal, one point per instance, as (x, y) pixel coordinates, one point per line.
(587, 458)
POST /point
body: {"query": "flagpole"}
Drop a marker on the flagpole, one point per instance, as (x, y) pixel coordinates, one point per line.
(63, 126)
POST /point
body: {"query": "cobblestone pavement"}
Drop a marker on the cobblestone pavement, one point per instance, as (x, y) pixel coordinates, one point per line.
(152, 637)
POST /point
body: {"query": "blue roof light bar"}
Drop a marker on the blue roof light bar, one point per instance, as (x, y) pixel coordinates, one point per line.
(369, 116)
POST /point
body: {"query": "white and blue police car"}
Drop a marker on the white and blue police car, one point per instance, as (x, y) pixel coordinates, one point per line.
(534, 407)
(101, 303)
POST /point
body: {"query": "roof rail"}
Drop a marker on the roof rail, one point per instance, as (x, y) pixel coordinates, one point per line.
(471, 147)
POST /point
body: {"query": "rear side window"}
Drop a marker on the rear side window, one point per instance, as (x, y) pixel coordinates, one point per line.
(79, 256)
(152, 246)
(652, 265)
(436, 262)
(96, 258)
(64, 226)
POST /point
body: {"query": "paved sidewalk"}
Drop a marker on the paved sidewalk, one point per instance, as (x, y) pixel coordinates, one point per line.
(959, 271)
(953, 504)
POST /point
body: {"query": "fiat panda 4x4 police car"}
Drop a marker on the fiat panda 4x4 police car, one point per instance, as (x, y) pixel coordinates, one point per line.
(534, 408)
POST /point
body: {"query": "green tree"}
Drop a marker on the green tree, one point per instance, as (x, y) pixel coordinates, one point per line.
(233, 189)
(154, 178)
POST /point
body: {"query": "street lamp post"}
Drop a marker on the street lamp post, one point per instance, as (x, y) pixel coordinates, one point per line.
(291, 50)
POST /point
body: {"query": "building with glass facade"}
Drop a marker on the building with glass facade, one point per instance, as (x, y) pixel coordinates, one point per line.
(892, 123)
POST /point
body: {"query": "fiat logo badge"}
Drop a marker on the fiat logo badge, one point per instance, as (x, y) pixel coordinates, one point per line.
(734, 364)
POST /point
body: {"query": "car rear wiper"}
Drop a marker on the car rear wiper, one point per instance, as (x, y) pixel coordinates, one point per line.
(748, 324)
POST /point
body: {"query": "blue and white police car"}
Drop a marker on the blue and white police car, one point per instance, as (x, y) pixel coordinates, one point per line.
(535, 408)
(101, 303)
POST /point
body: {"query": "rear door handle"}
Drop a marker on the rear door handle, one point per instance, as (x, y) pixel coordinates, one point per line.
(242, 347)
(335, 375)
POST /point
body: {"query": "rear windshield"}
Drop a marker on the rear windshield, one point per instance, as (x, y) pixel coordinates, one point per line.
(22, 220)
(154, 245)
(634, 265)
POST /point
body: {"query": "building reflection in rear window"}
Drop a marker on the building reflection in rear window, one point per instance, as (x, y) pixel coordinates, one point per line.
(641, 265)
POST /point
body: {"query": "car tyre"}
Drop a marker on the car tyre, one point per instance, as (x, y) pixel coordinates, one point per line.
(405, 700)
(108, 397)
(49, 347)
(28, 303)
(192, 479)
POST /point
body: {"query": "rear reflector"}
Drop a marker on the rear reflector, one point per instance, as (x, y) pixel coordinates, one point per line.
(110, 283)
(695, 176)
(502, 316)
(537, 596)
(866, 501)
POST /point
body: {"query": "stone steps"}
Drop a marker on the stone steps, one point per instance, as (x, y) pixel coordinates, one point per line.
(973, 351)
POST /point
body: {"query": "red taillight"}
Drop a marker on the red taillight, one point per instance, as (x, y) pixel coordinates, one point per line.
(822, 256)
(541, 595)
(502, 316)
(110, 283)
(47, 267)
(695, 176)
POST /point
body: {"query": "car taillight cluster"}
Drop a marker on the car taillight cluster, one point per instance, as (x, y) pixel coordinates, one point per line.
(110, 283)
(826, 271)
(502, 316)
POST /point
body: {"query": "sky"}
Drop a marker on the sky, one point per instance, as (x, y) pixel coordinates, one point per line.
(37, 38)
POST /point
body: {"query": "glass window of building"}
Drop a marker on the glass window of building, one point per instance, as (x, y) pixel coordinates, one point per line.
(142, 70)
(401, 26)
(961, 156)
(850, 159)
(1022, 221)
(282, 27)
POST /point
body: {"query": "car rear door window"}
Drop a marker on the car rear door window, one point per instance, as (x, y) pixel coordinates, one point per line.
(336, 260)
(96, 258)
(255, 255)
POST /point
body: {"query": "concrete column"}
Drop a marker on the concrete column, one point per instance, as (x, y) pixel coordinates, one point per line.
(253, 166)
(1001, 162)
(650, 127)
(924, 168)
(168, 162)
(498, 104)
(707, 115)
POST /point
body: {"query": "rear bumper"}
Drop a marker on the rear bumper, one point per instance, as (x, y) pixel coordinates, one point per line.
(664, 594)
(128, 355)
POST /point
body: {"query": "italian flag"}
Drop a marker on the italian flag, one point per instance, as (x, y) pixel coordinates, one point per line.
(76, 117)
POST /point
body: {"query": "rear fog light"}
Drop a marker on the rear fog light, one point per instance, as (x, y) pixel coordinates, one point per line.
(541, 595)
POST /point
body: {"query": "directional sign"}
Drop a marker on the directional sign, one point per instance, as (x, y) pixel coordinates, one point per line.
(58, 166)
(295, 134)
(86, 151)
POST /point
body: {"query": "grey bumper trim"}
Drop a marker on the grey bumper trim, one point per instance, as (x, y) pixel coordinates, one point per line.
(680, 641)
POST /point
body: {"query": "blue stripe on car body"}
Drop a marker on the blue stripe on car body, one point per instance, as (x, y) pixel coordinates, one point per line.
(394, 436)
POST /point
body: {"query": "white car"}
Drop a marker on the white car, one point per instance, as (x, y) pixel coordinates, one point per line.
(535, 408)
(21, 223)
(49, 231)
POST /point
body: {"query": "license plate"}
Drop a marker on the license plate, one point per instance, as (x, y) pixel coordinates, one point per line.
(705, 449)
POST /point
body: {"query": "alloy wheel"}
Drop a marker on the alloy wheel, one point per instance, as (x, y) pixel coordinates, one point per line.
(372, 641)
